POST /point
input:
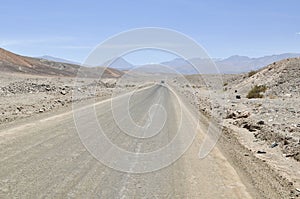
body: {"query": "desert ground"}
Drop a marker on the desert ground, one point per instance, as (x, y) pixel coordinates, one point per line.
(257, 154)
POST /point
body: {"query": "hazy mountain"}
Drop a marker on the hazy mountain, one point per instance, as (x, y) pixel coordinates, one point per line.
(119, 63)
(233, 64)
(237, 64)
(154, 69)
(50, 58)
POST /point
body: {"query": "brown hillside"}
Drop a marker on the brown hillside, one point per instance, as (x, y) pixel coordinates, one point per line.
(282, 78)
(13, 63)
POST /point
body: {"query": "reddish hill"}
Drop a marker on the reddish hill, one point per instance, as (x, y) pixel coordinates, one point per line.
(13, 63)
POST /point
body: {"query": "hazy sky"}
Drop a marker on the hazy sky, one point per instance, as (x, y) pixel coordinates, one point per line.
(71, 29)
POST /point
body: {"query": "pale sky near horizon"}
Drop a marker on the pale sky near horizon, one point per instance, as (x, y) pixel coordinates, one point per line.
(71, 29)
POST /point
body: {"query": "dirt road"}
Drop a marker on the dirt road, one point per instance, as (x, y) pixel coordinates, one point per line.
(46, 159)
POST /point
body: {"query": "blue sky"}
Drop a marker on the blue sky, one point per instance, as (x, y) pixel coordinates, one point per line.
(71, 29)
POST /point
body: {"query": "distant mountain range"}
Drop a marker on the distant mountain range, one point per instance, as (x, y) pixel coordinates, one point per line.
(119, 63)
(50, 58)
(233, 64)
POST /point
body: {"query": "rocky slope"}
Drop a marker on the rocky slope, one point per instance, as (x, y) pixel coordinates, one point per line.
(281, 78)
(268, 127)
(274, 118)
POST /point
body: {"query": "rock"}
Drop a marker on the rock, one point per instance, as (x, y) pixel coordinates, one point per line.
(237, 115)
(261, 152)
(285, 142)
(291, 155)
(63, 92)
(19, 108)
(288, 95)
(41, 110)
(261, 122)
(238, 97)
(244, 114)
(251, 127)
(274, 144)
(297, 189)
